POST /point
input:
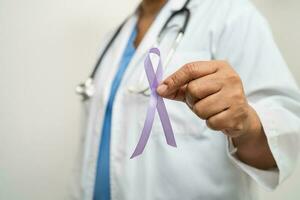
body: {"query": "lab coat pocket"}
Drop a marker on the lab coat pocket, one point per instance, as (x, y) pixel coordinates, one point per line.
(184, 122)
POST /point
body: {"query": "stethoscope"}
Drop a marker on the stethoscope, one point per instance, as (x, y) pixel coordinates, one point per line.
(87, 89)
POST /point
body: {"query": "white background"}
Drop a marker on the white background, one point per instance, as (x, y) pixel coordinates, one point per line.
(46, 48)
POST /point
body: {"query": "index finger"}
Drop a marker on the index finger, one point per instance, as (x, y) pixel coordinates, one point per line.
(184, 75)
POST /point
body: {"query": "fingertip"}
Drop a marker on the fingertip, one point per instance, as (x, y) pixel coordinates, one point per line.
(162, 89)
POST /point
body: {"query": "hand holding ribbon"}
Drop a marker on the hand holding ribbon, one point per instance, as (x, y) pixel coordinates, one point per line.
(156, 102)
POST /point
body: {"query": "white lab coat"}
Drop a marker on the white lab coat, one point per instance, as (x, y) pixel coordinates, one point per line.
(203, 166)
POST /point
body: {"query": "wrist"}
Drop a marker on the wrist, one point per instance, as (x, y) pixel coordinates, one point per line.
(253, 134)
(252, 146)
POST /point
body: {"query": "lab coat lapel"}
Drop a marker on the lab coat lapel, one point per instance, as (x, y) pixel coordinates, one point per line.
(105, 75)
(111, 61)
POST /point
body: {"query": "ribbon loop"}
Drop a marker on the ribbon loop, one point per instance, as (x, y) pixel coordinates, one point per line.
(156, 102)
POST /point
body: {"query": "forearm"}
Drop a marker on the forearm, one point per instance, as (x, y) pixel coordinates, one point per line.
(253, 148)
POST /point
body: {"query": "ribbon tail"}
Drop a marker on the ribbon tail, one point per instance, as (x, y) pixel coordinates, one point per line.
(147, 127)
(165, 121)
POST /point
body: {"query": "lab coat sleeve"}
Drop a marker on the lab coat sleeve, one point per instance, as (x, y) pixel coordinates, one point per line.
(247, 43)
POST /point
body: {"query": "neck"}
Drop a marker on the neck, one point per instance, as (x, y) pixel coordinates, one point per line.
(151, 7)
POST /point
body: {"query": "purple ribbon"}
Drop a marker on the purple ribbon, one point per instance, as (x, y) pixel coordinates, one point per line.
(156, 102)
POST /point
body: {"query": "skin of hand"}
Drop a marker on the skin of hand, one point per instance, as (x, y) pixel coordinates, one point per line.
(214, 92)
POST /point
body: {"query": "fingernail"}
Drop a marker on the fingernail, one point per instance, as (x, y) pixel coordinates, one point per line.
(161, 89)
